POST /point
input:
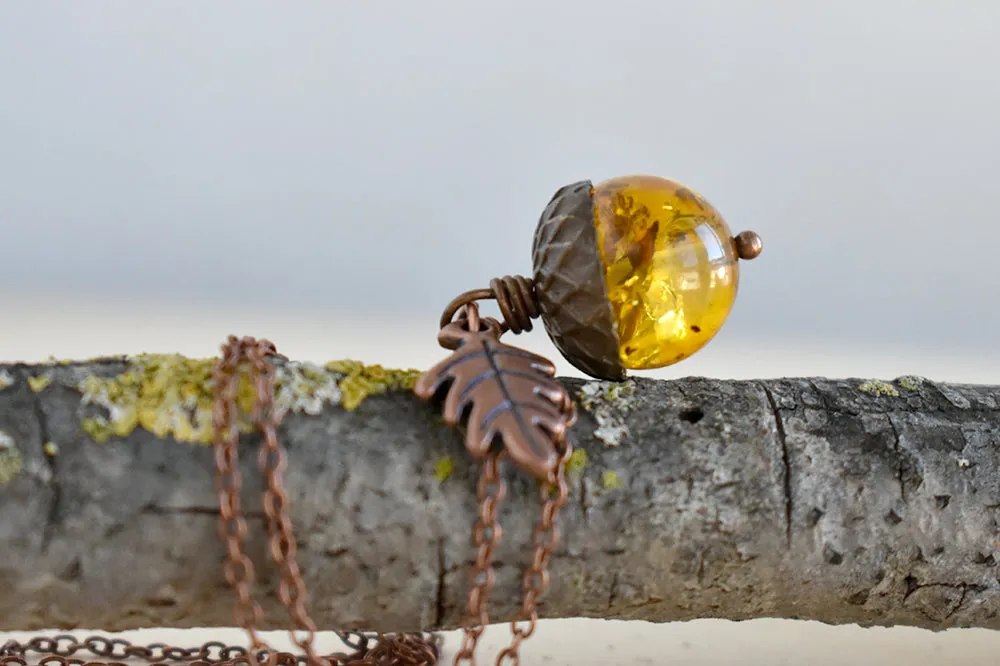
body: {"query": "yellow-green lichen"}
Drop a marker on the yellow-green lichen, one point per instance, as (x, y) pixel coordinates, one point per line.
(608, 402)
(6, 379)
(444, 468)
(171, 396)
(910, 382)
(39, 383)
(878, 388)
(50, 448)
(577, 462)
(52, 360)
(11, 461)
(610, 480)
(361, 381)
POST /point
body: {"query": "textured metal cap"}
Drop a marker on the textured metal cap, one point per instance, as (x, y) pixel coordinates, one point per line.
(570, 286)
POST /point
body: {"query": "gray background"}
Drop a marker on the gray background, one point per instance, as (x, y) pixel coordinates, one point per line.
(317, 165)
(157, 152)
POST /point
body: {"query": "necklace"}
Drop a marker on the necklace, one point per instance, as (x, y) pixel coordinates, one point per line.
(634, 273)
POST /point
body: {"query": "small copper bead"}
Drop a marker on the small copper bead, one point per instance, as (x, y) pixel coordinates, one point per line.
(748, 245)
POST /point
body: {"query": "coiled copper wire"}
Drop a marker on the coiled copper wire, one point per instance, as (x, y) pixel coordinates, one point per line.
(515, 296)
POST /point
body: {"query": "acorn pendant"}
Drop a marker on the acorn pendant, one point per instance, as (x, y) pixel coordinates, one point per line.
(637, 272)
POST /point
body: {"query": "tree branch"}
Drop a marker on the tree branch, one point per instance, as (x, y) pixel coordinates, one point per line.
(838, 501)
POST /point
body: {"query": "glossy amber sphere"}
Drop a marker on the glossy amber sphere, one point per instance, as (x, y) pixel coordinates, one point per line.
(670, 268)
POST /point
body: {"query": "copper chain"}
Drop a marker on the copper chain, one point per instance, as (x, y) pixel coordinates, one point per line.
(486, 536)
(238, 568)
(537, 578)
(406, 649)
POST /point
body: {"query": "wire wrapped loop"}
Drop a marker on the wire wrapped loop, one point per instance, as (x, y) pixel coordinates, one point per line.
(515, 296)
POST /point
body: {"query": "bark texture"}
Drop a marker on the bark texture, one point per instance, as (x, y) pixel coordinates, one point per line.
(839, 501)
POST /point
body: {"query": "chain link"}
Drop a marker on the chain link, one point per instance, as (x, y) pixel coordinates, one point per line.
(237, 568)
(486, 537)
(537, 578)
(404, 649)
(271, 461)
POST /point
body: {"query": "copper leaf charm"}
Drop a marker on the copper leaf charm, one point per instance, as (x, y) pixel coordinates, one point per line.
(500, 391)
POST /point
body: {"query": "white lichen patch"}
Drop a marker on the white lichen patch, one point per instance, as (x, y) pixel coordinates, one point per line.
(6, 380)
(171, 396)
(878, 388)
(11, 461)
(608, 402)
(305, 388)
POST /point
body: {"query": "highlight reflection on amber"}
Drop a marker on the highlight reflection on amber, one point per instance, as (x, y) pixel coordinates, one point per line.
(670, 267)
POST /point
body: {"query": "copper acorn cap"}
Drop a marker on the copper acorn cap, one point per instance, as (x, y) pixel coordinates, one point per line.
(569, 284)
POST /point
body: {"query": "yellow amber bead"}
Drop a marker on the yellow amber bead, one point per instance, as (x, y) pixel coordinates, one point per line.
(670, 266)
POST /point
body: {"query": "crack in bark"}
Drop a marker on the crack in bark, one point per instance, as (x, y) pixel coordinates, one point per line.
(55, 506)
(958, 604)
(439, 596)
(787, 478)
(613, 591)
(962, 587)
(194, 510)
(899, 457)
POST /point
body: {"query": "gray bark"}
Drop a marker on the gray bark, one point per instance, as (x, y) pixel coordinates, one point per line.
(793, 498)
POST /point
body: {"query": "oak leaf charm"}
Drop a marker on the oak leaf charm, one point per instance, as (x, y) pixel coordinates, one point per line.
(499, 391)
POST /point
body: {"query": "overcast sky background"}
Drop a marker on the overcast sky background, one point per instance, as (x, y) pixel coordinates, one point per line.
(328, 162)
(316, 166)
